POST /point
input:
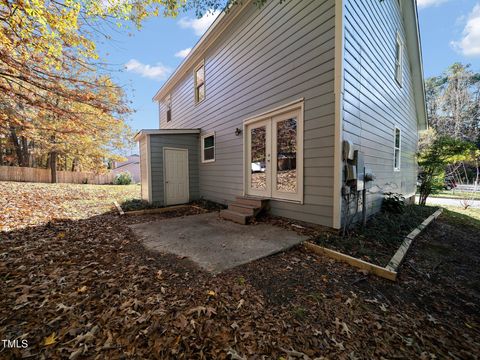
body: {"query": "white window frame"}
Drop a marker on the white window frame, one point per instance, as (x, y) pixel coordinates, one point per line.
(399, 60)
(168, 107)
(195, 85)
(397, 148)
(214, 147)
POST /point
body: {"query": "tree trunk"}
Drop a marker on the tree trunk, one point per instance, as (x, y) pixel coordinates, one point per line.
(18, 147)
(74, 164)
(53, 166)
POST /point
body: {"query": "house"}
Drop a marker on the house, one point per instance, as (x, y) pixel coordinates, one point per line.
(313, 104)
(131, 165)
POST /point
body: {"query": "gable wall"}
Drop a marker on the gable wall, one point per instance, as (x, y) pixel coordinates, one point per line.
(268, 57)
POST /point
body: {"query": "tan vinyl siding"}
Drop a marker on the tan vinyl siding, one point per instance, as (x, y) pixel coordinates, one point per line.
(374, 103)
(268, 57)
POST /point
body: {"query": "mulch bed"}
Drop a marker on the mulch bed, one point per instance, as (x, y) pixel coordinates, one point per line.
(87, 288)
(381, 238)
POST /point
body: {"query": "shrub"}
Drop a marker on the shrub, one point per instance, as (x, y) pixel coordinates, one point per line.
(393, 203)
(435, 153)
(138, 204)
(123, 178)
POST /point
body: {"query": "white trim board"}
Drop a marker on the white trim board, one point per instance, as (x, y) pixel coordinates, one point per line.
(214, 31)
(338, 92)
(145, 132)
(149, 170)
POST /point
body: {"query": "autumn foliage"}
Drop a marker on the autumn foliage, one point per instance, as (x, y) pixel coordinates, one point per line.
(56, 97)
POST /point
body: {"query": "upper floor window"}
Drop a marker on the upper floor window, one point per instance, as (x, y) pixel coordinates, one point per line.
(199, 80)
(397, 149)
(398, 59)
(168, 107)
(208, 147)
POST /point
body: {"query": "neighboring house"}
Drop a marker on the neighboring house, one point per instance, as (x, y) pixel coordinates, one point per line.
(262, 105)
(132, 165)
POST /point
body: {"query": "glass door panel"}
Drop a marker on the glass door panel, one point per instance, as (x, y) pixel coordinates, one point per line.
(274, 157)
(258, 163)
(285, 143)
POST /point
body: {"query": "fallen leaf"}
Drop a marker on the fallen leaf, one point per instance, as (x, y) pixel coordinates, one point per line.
(50, 339)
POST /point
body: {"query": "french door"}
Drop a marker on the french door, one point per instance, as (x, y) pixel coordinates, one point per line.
(274, 156)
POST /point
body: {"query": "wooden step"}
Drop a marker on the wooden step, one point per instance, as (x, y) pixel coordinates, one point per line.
(234, 216)
(243, 209)
(250, 201)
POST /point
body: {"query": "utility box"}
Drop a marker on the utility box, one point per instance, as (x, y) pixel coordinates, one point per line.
(360, 165)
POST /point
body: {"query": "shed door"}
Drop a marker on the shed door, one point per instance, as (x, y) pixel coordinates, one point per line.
(176, 176)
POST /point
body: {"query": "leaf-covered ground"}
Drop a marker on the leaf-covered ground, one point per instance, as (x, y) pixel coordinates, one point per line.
(77, 284)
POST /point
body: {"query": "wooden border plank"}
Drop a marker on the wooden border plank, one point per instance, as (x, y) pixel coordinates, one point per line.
(402, 250)
(157, 211)
(372, 268)
(119, 208)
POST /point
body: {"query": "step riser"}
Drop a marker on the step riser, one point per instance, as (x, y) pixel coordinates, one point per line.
(252, 202)
(242, 210)
(235, 217)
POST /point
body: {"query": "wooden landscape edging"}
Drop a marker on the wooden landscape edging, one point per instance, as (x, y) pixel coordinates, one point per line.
(156, 211)
(364, 265)
(390, 271)
(402, 250)
(119, 208)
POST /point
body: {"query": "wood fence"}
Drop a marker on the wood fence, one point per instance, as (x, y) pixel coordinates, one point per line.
(28, 174)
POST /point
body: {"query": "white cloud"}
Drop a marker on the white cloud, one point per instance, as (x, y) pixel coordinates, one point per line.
(156, 72)
(183, 53)
(469, 45)
(426, 3)
(199, 26)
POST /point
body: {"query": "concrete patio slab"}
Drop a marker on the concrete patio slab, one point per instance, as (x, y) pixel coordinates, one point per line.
(215, 244)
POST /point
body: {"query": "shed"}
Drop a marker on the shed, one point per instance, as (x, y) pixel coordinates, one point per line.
(169, 159)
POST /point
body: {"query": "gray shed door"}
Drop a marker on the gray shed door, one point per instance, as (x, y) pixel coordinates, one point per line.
(176, 176)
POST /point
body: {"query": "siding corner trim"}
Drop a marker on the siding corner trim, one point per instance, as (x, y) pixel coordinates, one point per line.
(338, 91)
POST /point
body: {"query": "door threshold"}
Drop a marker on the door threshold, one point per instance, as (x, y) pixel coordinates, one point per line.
(256, 197)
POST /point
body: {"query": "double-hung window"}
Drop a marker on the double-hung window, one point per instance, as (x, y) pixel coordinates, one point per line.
(208, 148)
(168, 107)
(398, 59)
(397, 152)
(199, 82)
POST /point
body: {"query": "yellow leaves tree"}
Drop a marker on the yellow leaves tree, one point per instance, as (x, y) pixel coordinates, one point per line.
(51, 93)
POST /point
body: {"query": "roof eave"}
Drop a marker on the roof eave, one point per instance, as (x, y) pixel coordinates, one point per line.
(146, 132)
(213, 32)
(416, 64)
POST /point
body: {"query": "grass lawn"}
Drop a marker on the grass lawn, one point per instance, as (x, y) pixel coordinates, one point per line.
(457, 194)
(463, 217)
(76, 283)
(63, 201)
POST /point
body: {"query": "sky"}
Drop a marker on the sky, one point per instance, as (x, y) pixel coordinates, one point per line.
(449, 30)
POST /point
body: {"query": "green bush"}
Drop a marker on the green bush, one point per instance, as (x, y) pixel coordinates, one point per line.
(393, 203)
(138, 204)
(123, 178)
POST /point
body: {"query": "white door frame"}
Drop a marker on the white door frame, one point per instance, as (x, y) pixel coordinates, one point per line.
(165, 177)
(297, 107)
